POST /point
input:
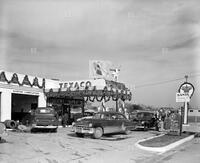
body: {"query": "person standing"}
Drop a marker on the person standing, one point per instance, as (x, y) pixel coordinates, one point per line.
(126, 113)
(156, 121)
(65, 119)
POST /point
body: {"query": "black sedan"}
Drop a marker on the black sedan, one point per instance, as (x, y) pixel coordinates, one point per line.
(42, 118)
(103, 123)
(144, 119)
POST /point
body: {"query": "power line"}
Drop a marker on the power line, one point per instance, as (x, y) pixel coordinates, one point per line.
(164, 82)
(192, 76)
(157, 83)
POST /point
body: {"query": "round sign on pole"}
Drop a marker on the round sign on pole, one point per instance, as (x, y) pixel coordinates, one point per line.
(187, 88)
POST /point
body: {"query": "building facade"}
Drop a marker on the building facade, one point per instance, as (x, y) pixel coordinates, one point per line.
(20, 93)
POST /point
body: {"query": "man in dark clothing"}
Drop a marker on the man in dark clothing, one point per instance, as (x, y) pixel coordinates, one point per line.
(65, 119)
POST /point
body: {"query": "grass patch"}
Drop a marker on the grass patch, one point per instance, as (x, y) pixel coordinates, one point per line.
(164, 140)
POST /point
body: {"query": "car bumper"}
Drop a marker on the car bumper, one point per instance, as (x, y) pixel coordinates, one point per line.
(83, 130)
(140, 126)
(45, 127)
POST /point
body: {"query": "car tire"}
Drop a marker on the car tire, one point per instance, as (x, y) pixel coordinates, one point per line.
(33, 130)
(80, 135)
(98, 132)
(146, 128)
(127, 131)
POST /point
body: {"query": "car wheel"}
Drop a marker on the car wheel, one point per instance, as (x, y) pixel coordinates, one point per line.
(80, 135)
(127, 131)
(33, 130)
(145, 128)
(98, 132)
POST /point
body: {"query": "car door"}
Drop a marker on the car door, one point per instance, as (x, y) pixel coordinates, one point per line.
(108, 123)
(121, 123)
(115, 123)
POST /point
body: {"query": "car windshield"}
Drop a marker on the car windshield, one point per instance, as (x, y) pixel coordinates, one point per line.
(133, 116)
(101, 116)
(97, 116)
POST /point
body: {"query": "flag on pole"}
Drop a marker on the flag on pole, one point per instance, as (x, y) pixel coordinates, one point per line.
(101, 69)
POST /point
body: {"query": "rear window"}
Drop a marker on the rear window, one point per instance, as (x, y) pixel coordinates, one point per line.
(44, 111)
(144, 115)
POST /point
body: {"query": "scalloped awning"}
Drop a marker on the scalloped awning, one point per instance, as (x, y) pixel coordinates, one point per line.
(25, 80)
(90, 94)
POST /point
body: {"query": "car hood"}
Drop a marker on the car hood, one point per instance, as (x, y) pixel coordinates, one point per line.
(85, 121)
(82, 118)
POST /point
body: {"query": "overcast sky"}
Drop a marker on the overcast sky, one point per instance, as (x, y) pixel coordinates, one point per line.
(153, 40)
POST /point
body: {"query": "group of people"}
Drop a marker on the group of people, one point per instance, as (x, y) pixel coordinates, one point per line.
(125, 112)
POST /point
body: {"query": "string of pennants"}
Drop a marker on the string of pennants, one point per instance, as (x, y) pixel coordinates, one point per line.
(26, 81)
(92, 94)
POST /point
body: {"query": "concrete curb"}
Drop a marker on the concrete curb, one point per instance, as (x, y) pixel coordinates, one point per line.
(164, 149)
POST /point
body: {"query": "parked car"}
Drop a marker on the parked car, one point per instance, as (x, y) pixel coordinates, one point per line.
(144, 119)
(103, 123)
(42, 118)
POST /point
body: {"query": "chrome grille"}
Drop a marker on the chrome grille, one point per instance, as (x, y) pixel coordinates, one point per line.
(82, 127)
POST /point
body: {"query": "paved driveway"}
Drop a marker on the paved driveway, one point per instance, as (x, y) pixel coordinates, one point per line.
(64, 146)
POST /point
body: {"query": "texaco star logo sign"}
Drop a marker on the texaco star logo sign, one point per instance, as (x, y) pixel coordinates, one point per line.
(187, 88)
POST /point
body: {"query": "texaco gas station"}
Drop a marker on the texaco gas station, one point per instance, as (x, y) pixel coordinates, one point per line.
(20, 93)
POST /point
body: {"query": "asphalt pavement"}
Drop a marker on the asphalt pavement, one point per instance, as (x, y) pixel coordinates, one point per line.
(64, 146)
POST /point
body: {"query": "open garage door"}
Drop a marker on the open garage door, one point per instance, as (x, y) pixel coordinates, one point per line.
(22, 105)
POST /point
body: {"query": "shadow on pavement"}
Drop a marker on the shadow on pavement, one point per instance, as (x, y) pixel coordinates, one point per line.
(2, 140)
(108, 137)
(43, 131)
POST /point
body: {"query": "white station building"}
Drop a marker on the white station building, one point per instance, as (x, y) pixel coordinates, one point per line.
(20, 93)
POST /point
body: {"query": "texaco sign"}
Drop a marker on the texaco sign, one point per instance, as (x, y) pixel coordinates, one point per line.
(186, 88)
